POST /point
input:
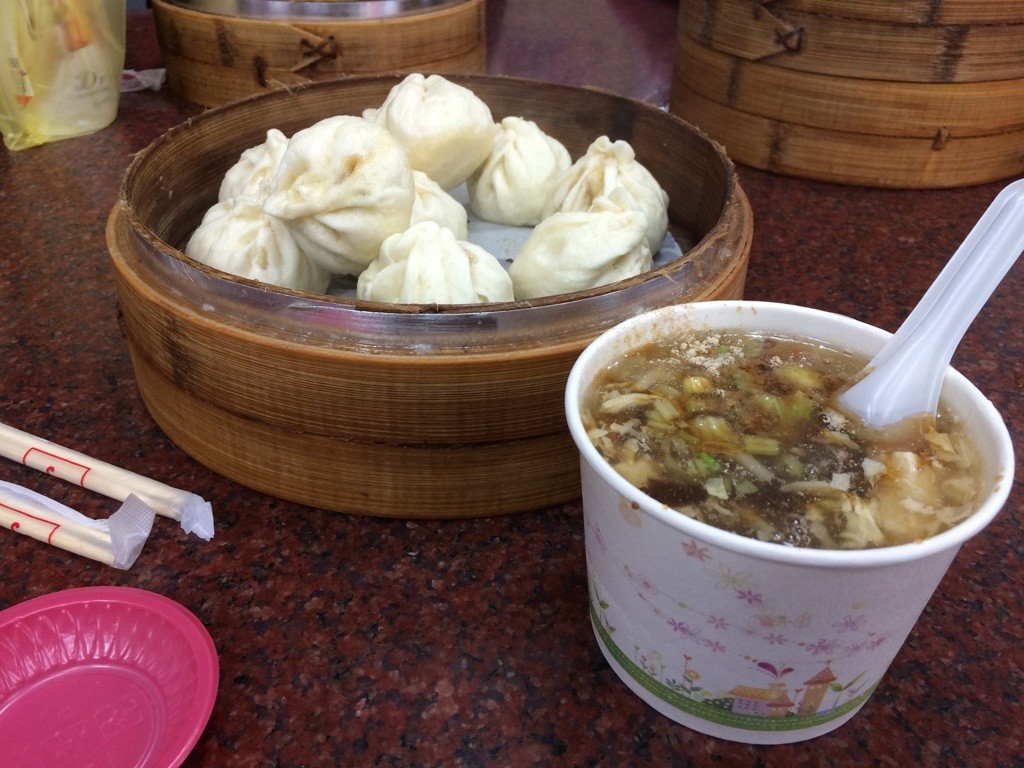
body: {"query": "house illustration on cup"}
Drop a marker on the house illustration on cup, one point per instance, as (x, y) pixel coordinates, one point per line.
(775, 701)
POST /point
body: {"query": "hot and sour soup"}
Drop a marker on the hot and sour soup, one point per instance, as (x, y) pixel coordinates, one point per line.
(743, 432)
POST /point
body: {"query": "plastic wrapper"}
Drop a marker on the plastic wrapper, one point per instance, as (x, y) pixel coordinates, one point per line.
(133, 80)
(116, 541)
(60, 68)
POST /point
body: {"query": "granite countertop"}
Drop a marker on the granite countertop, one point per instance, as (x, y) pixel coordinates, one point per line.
(346, 640)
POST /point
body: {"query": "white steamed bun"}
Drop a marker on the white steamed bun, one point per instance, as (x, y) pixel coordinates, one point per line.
(446, 128)
(343, 186)
(427, 265)
(237, 237)
(605, 166)
(512, 185)
(253, 174)
(434, 204)
(578, 250)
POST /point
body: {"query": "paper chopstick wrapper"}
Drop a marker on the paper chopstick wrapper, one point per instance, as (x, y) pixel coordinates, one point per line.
(116, 541)
(194, 514)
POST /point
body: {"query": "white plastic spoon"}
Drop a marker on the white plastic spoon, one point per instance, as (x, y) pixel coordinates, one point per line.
(905, 377)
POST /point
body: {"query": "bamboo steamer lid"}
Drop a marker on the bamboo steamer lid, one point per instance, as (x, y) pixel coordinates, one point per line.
(216, 51)
(858, 91)
(420, 411)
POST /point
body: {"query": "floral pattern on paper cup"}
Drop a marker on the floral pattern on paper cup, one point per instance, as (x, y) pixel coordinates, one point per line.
(736, 646)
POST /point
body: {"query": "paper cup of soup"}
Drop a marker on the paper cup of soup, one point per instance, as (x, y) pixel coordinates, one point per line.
(755, 560)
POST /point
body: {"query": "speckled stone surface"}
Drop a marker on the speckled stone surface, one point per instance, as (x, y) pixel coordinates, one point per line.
(352, 641)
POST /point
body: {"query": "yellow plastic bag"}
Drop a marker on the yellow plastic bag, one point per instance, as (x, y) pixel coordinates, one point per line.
(60, 71)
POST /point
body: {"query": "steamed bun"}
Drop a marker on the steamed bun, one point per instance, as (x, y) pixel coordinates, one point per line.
(447, 130)
(253, 173)
(237, 237)
(434, 204)
(512, 185)
(427, 265)
(343, 186)
(605, 166)
(578, 250)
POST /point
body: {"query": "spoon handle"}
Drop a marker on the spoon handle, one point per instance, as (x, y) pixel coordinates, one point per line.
(905, 377)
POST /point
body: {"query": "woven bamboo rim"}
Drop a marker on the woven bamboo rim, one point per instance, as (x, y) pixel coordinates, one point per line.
(334, 422)
(211, 59)
(853, 47)
(909, 11)
(854, 105)
(851, 158)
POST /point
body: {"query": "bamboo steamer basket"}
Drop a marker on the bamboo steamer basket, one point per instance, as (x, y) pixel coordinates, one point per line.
(368, 408)
(912, 11)
(854, 158)
(810, 37)
(216, 51)
(858, 91)
(858, 105)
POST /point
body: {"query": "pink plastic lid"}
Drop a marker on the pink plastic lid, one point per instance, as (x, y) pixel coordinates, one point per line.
(103, 676)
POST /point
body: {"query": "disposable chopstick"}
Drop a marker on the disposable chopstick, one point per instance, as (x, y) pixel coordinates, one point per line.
(194, 513)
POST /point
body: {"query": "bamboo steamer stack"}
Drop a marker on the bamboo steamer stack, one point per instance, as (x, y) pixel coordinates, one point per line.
(921, 93)
(216, 51)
